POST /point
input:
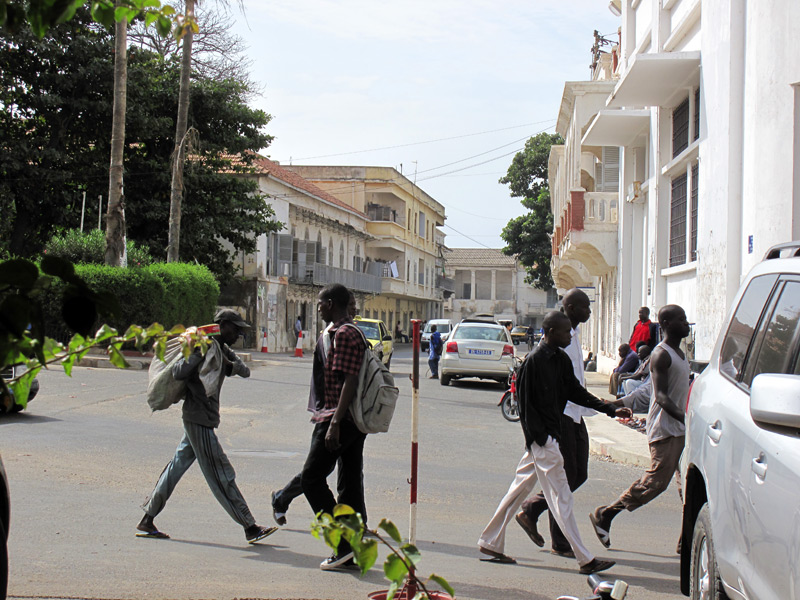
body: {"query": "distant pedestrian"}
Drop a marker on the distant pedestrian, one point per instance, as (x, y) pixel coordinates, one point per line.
(316, 399)
(335, 434)
(644, 331)
(298, 327)
(545, 381)
(530, 336)
(399, 335)
(434, 352)
(665, 430)
(628, 363)
(204, 375)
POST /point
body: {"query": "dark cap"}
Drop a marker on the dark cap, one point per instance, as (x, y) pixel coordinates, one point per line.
(227, 314)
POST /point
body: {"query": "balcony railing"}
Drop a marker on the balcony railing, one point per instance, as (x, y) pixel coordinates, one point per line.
(585, 209)
(321, 275)
(446, 284)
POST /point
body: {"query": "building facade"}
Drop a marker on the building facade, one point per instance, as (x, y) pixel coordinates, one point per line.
(486, 281)
(705, 112)
(405, 246)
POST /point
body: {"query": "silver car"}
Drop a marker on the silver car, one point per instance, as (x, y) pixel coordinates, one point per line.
(741, 465)
(477, 348)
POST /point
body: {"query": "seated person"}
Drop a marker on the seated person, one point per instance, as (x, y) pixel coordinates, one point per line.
(628, 363)
(630, 381)
(639, 399)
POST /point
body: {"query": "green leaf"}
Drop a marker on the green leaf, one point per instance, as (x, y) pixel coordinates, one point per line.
(392, 590)
(367, 555)
(15, 314)
(394, 568)
(18, 273)
(150, 18)
(58, 267)
(391, 529)
(411, 553)
(117, 359)
(167, 10)
(104, 333)
(68, 363)
(442, 582)
(341, 510)
(163, 26)
(159, 349)
(333, 535)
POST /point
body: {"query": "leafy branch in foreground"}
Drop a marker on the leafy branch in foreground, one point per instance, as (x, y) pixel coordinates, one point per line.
(400, 564)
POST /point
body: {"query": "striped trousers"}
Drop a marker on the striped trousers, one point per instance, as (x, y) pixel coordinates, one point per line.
(200, 443)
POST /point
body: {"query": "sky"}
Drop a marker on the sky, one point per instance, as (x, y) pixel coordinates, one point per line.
(446, 91)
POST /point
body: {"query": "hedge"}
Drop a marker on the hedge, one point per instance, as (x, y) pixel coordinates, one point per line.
(170, 294)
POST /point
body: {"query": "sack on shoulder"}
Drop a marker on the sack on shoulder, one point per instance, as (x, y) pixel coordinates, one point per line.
(373, 406)
(163, 390)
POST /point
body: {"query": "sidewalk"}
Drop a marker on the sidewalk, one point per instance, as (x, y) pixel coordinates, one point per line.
(609, 437)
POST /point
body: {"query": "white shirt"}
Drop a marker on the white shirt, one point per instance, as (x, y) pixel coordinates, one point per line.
(575, 353)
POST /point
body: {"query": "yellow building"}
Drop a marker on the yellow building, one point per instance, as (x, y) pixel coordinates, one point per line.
(407, 246)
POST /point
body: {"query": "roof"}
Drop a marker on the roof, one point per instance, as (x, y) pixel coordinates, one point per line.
(266, 166)
(479, 257)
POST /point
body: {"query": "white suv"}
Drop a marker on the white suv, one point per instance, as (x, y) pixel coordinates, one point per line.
(741, 465)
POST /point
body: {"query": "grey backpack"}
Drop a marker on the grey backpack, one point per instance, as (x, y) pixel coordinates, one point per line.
(373, 406)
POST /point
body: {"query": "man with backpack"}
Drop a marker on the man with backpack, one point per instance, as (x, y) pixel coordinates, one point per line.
(335, 433)
(204, 374)
(434, 352)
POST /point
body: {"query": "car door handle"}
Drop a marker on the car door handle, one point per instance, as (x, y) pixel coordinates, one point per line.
(759, 466)
(714, 432)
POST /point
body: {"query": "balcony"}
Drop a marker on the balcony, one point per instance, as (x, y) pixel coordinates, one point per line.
(447, 285)
(388, 234)
(586, 234)
(322, 275)
(399, 287)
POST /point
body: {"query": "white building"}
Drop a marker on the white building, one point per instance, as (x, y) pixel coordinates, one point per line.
(489, 282)
(706, 112)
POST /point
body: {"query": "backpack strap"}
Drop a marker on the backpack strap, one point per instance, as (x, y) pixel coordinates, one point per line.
(358, 329)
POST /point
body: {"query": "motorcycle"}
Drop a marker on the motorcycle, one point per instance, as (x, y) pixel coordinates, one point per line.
(508, 403)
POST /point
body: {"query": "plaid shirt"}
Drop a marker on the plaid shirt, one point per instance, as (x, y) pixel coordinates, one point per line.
(344, 358)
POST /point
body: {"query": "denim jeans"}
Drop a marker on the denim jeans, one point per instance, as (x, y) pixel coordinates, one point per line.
(433, 363)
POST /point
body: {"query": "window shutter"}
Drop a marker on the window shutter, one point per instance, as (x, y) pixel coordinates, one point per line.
(610, 169)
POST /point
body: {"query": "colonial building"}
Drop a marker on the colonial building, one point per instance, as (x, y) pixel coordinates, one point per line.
(489, 282)
(405, 248)
(705, 111)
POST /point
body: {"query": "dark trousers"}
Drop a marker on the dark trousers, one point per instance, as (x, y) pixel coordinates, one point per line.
(320, 463)
(574, 446)
(433, 364)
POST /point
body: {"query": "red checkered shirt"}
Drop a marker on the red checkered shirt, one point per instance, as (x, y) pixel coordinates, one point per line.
(344, 358)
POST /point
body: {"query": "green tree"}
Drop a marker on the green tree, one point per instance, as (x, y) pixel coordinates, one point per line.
(528, 236)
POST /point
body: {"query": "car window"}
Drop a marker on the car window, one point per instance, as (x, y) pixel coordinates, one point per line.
(743, 325)
(370, 330)
(444, 328)
(776, 348)
(383, 330)
(491, 334)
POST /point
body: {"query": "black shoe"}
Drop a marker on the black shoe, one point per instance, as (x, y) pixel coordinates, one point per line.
(596, 565)
(254, 533)
(337, 562)
(277, 514)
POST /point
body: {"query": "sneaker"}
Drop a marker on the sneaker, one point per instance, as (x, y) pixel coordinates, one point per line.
(596, 565)
(337, 561)
(255, 533)
(603, 534)
(279, 516)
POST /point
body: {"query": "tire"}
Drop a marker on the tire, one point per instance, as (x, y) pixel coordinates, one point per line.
(704, 581)
(510, 413)
(3, 562)
(444, 379)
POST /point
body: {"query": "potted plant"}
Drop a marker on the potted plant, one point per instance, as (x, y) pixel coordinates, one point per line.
(399, 566)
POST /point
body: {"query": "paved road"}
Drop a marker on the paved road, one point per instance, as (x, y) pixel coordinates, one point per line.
(85, 455)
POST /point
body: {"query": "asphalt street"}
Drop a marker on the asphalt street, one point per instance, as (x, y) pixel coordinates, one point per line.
(86, 454)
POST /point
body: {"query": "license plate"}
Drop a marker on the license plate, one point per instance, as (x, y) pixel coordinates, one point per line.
(480, 352)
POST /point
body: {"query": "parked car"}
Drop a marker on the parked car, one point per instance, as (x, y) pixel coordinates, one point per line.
(741, 471)
(7, 402)
(379, 338)
(5, 514)
(519, 334)
(443, 326)
(477, 348)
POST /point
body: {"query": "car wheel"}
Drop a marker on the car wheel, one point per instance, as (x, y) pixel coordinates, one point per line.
(704, 579)
(3, 562)
(444, 379)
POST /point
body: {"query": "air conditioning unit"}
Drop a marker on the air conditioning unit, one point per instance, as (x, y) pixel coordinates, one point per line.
(634, 192)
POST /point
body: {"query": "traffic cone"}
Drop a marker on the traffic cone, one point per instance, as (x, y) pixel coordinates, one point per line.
(264, 342)
(298, 349)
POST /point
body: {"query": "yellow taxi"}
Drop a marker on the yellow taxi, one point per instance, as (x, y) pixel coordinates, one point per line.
(378, 336)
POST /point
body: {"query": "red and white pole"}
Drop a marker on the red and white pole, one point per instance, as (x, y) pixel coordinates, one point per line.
(412, 521)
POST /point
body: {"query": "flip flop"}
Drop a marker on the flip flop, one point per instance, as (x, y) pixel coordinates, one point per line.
(496, 557)
(157, 535)
(601, 533)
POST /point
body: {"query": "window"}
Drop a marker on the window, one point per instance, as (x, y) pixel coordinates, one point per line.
(743, 325)
(695, 174)
(677, 222)
(680, 128)
(341, 255)
(696, 114)
(423, 227)
(776, 348)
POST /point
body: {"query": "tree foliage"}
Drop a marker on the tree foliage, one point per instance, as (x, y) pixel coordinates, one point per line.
(55, 114)
(528, 236)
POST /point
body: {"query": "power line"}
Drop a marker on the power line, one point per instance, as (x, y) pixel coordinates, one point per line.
(468, 237)
(455, 137)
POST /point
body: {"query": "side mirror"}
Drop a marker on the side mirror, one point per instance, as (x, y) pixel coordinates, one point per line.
(775, 400)
(387, 338)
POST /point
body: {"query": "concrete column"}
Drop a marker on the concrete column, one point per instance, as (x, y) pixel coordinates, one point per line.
(494, 284)
(472, 284)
